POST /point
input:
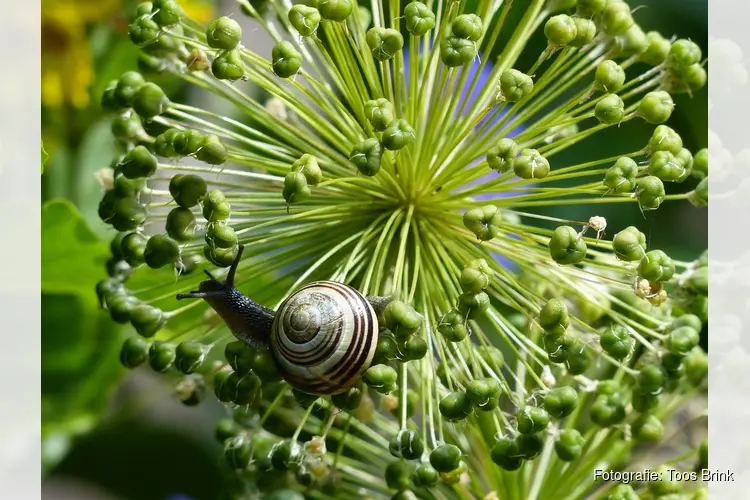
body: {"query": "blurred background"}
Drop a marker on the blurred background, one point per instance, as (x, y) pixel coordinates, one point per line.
(111, 434)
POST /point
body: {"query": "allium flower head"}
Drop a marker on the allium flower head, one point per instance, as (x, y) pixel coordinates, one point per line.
(382, 316)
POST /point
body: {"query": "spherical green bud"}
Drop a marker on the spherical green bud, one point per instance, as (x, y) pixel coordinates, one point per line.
(147, 320)
(189, 356)
(484, 221)
(699, 196)
(128, 188)
(579, 359)
(138, 163)
(108, 289)
(507, 455)
(643, 402)
(215, 206)
(632, 43)
(121, 306)
(616, 18)
(484, 393)
(560, 30)
(445, 458)
(161, 356)
(397, 474)
(419, 18)
(664, 165)
(658, 49)
(304, 19)
(610, 109)
(589, 8)
(553, 317)
(212, 151)
(648, 428)
(474, 280)
(617, 342)
(384, 43)
(220, 257)
(532, 419)
(160, 251)
(452, 326)
(227, 428)
(656, 107)
(623, 492)
(382, 378)
(108, 101)
(349, 400)
(621, 177)
(530, 445)
(224, 33)
(222, 236)
(380, 113)
(650, 192)
(585, 32)
(607, 410)
(656, 266)
(127, 88)
(180, 224)
(455, 406)
(166, 12)
(133, 247)
(682, 340)
(651, 379)
(425, 476)
(398, 134)
(228, 66)
(286, 59)
(530, 164)
(569, 445)
(666, 483)
(240, 356)
(455, 51)
(609, 76)
(237, 451)
(665, 138)
(150, 100)
(308, 166)
(413, 348)
(335, 10)
(682, 54)
(296, 189)
(696, 366)
(515, 85)
(401, 318)
(700, 164)
(694, 77)
(188, 142)
(468, 26)
(164, 146)
(247, 389)
(387, 348)
(406, 444)
(473, 304)
(187, 189)
(128, 128)
(566, 247)
(143, 31)
(134, 352)
(128, 214)
(629, 244)
(561, 402)
(501, 156)
(366, 156)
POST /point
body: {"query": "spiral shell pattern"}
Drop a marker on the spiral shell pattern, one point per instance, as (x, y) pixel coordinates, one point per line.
(324, 337)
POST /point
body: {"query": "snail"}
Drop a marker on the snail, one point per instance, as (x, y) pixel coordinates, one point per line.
(323, 336)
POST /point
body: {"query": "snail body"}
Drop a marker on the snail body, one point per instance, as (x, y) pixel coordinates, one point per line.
(323, 336)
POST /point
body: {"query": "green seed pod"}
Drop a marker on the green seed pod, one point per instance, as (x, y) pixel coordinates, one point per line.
(128, 188)
(623, 492)
(161, 356)
(215, 206)
(128, 128)
(248, 389)
(507, 455)
(445, 458)
(609, 77)
(108, 101)
(425, 475)
(212, 151)
(228, 66)
(455, 51)
(240, 356)
(108, 289)
(180, 224)
(189, 356)
(143, 31)
(222, 236)
(419, 18)
(308, 166)
(694, 77)
(560, 30)
(656, 107)
(380, 113)
(553, 317)
(366, 156)
(286, 59)
(621, 177)
(133, 248)
(683, 54)
(401, 318)
(227, 428)
(610, 109)
(700, 164)
(224, 33)
(127, 88)
(237, 452)
(224, 382)
(589, 8)
(658, 49)
(398, 134)
(452, 326)
(617, 342)
(515, 85)
(650, 192)
(128, 214)
(473, 280)
(164, 146)
(187, 189)
(382, 378)
(484, 393)
(501, 156)
(468, 26)
(150, 100)
(138, 163)
(160, 251)
(304, 19)
(690, 320)
(666, 483)
(696, 366)
(569, 445)
(665, 138)
(648, 428)
(530, 164)
(473, 304)
(188, 142)
(664, 165)
(631, 43)
(166, 12)
(349, 400)
(566, 247)
(644, 402)
(335, 10)
(616, 18)
(413, 348)
(532, 419)
(561, 402)
(220, 257)
(699, 196)
(651, 379)
(147, 320)
(397, 474)
(455, 407)
(134, 352)
(530, 445)
(685, 162)
(387, 348)
(483, 221)
(656, 266)
(607, 411)
(629, 244)
(384, 43)
(406, 444)
(585, 32)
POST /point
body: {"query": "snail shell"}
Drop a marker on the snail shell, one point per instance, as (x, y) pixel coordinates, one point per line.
(324, 337)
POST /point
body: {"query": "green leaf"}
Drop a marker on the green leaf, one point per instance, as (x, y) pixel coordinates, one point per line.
(44, 156)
